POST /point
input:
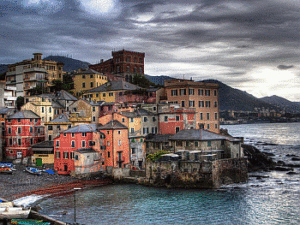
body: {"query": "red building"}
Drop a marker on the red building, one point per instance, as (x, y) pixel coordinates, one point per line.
(173, 119)
(79, 137)
(117, 144)
(22, 130)
(125, 63)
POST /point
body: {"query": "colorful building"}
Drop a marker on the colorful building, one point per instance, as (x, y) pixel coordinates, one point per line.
(22, 130)
(85, 80)
(33, 72)
(124, 63)
(43, 153)
(203, 97)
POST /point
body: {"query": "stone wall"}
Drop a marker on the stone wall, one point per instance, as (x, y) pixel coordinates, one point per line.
(186, 174)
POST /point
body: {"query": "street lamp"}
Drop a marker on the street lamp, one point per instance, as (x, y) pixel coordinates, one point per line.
(75, 189)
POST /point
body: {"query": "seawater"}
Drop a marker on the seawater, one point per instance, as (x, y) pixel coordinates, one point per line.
(271, 200)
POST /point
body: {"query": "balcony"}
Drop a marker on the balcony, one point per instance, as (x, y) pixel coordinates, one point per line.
(35, 69)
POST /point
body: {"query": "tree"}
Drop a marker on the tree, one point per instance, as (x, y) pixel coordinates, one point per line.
(20, 102)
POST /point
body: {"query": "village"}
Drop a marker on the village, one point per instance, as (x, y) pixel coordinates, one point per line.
(162, 135)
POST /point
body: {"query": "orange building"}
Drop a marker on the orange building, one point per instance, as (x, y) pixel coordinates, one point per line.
(203, 97)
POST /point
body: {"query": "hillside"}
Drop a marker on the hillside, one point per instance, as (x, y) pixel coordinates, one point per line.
(158, 79)
(282, 103)
(69, 63)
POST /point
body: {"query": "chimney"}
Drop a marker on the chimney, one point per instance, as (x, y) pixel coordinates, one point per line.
(101, 61)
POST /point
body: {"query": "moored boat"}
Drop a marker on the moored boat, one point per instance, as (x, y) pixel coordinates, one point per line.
(14, 213)
(33, 170)
(6, 204)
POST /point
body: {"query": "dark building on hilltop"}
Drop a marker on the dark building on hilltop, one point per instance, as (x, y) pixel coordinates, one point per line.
(124, 63)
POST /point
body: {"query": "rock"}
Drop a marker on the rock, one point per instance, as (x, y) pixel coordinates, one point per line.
(295, 159)
(291, 173)
(290, 155)
(281, 168)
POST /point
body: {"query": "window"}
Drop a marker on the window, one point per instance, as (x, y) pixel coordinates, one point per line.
(208, 143)
(131, 130)
(215, 92)
(153, 118)
(9, 120)
(108, 154)
(9, 130)
(207, 92)
(216, 116)
(182, 103)
(166, 119)
(97, 95)
(94, 109)
(73, 134)
(83, 76)
(50, 109)
(196, 144)
(111, 94)
(35, 120)
(141, 140)
(58, 127)
(94, 119)
(83, 134)
(177, 129)
(216, 104)
(103, 94)
(107, 132)
(50, 127)
(57, 154)
(66, 155)
(131, 120)
(191, 103)
(128, 69)
(50, 137)
(19, 141)
(145, 119)
(73, 155)
(201, 116)
(19, 130)
(10, 141)
(91, 76)
(108, 143)
(133, 151)
(182, 91)
(43, 109)
(30, 129)
(92, 84)
(174, 93)
(119, 142)
(191, 91)
(216, 126)
(73, 144)
(207, 104)
(177, 118)
(208, 126)
(178, 143)
(19, 120)
(83, 85)
(200, 91)
(57, 143)
(119, 132)
(31, 141)
(201, 103)
(187, 143)
(207, 116)
(83, 144)
(123, 120)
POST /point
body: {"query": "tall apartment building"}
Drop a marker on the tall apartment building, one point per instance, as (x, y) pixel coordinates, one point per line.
(31, 73)
(124, 63)
(203, 97)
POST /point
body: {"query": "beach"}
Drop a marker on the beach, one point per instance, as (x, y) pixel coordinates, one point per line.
(13, 185)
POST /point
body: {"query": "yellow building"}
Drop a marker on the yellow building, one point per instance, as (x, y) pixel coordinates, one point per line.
(112, 91)
(85, 80)
(44, 106)
(33, 72)
(43, 153)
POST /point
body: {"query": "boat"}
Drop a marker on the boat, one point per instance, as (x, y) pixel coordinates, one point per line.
(28, 222)
(14, 213)
(6, 170)
(6, 204)
(33, 170)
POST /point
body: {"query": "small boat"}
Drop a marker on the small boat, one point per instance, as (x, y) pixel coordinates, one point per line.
(6, 204)
(14, 213)
(6, 170)
(33, 170)
(28, 222)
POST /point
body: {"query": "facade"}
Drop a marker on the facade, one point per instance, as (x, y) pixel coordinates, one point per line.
(117, 144)
(44, 106)
(124, 63)
(43, 153)
(85, 80)
(112, 92)
(172, 118)
(65, 145)
(22, 130)
(54, 127)
(203, 97)
(32, 73)
(82, 112)
(7, 95)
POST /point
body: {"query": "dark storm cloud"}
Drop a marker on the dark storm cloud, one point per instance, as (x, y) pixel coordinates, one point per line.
(284, 67)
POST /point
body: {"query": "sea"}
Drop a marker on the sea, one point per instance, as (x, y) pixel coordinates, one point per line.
(267, 198)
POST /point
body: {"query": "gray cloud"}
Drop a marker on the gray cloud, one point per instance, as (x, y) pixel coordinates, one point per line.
(284, 67)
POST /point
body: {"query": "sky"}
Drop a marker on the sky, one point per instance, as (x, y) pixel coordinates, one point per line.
(251, 45)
